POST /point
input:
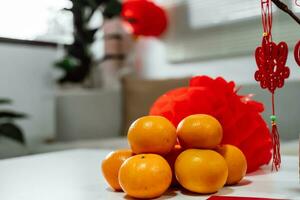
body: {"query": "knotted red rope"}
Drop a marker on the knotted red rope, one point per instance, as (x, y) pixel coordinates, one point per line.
(297, 53)
(297, 46)
(266, 17)
(272, 71)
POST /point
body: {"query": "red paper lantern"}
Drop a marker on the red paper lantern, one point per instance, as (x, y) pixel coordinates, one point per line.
(240, 116)
(143, 18)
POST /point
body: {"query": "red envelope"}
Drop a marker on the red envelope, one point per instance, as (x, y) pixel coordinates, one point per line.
(238, 198)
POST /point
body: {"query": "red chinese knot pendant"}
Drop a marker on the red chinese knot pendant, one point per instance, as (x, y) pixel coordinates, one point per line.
(297, 53)
(271, 62)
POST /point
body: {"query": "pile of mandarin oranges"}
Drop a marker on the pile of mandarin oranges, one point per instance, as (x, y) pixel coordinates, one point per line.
(162, 156)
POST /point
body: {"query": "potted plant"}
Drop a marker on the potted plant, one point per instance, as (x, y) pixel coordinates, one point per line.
(83, 112)
(12, 140)
(78, 61)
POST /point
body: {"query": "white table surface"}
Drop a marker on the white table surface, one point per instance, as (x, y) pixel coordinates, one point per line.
(76, 175)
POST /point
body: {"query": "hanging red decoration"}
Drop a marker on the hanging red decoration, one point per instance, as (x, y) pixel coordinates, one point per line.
(240, 116)
(297, 53)
(143, 18)
(272, 71)
(271, 60)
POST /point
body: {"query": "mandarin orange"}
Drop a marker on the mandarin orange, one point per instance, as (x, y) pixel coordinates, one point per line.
(111, 165)
(236, 162)
(171, 158)
(145, 176)
(201, 171)
(152, 134)
(199, 131)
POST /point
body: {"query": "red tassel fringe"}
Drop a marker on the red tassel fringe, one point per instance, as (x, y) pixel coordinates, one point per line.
(275, 139)
(276, 148)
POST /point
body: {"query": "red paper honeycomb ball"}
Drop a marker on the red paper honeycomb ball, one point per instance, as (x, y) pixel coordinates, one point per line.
(243, 125)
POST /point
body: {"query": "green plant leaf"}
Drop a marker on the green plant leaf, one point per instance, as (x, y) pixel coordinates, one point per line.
(12, 131)
(89, 35)
(113, 8)
(79, 51)
(102, 1)
(12, 115)
(92, 4)
(68, 63)
(5, 101)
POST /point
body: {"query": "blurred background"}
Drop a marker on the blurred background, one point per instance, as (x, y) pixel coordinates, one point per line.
(75, 74)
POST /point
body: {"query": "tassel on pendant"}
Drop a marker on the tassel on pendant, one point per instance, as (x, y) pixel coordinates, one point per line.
(276, 145)
(275, 138)
(271, 70)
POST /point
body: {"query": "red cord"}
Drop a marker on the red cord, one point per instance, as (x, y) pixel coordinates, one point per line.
(276, 148)
(275, 139)
(267, 18)
(297, 53)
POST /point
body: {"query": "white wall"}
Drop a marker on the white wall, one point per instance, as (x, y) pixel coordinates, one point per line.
(181, 40)
(240, 69)
(26, 77)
